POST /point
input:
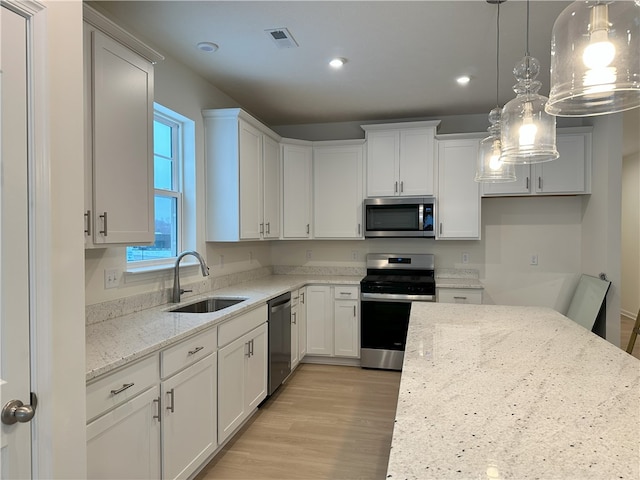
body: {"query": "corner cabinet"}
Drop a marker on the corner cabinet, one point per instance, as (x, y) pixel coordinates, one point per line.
(337, 189)
(297, 161)
(118, 83)
(242, 177)
(400, 158)
(569, 174)
(458, 197)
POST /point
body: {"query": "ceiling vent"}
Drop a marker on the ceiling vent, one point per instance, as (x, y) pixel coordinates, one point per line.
(282, 38)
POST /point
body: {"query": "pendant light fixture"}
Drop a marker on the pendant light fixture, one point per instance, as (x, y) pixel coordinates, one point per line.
(491, 168)
(595, 59)
(528, 131)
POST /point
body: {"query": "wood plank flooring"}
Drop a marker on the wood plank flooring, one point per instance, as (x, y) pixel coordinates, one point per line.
(626, 325)
(324, 422)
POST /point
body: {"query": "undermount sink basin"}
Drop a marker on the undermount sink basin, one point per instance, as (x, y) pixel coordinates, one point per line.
(209, 305)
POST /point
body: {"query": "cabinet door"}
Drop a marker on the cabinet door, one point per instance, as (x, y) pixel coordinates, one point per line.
(522, 185)
(189, 416)
(319, 320)
(122, 144)
(458, 193)
(383, 163)
(271, 187)
(416, 161)
(567, 174)
(302, 323)
(346, 328)
(295, 334)
(337, 202)
(250, 145)
(296, 191)
(231, 387)
(460, 295)
(256, 368)
(125, 443)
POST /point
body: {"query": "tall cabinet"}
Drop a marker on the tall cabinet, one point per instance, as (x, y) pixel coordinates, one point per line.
(118, 83)
(297, 160)
(242, 177)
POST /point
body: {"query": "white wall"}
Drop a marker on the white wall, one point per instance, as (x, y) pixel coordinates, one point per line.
(630, 291)
(59, 366)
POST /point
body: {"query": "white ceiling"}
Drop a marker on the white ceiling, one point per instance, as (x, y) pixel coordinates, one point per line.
(402, 56)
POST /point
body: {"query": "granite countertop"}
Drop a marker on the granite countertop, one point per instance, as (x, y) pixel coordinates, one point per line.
(458, 283)
(504, 392)
(113, 343)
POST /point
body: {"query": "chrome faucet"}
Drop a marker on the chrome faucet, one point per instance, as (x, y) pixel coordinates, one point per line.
(177, 291)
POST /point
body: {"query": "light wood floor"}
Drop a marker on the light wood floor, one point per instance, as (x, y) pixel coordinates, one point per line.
(626, 325)
(325, 422)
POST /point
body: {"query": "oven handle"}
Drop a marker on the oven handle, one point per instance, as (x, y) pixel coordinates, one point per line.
(388, 297)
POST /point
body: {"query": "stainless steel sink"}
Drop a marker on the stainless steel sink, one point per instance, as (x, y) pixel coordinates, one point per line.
(209, 305)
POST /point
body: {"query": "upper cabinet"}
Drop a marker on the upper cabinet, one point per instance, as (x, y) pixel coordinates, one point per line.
(119, 207)
(400, 158)
(242, 177)
(337, 189)
(570, 174)
(458, 197)
(297, 160)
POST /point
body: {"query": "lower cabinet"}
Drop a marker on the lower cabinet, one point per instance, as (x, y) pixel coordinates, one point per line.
(242, 377)
(125, 443)
(298, 327)
(333, 320)
(189, 418)
(459, 295)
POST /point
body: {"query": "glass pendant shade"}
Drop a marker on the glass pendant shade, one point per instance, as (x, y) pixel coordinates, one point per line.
(595, 59)
(491, 168)
(528, 132)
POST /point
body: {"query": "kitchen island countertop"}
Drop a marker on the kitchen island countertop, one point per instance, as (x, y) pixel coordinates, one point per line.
(498, 392)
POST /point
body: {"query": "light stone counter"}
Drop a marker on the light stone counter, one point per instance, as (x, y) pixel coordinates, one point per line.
(497, 392)
(459, 283)
(113, 343)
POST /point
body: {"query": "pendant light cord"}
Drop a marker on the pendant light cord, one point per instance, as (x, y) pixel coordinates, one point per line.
(527, 51)
(498, 56)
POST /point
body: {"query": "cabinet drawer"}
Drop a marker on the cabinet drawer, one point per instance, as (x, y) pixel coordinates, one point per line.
(344, 292)
(460, 295)
(229, 331)
(189, 351)
(114, 389)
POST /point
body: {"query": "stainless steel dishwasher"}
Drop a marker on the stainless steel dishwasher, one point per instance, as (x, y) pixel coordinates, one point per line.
(279, 340)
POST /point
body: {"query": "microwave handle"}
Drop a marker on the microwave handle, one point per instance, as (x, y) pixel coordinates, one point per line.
(421, 217)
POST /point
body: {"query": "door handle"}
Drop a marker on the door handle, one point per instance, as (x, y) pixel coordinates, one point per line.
(87, 216)
(15, 411)
(171, 394)
(402, 186)
(158, 416)
(268, 228)
(104, 230)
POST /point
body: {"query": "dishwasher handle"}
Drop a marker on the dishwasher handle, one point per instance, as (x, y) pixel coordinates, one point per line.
(279, 306)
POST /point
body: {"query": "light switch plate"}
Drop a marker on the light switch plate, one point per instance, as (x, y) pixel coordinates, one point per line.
(533, 260)
(111, 277)
(465, 257)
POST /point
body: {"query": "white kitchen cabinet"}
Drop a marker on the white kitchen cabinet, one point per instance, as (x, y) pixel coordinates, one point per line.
(242, 177)
(119, 190)
(302, 323)
(189, 431)
(569, 174)
(333, 320)
(337, 189)
(297, 161)
(458, 204)
(400, 158)
(123, 409)
(295, 330)
(189, 418)
(459, 295)
(242, 369)
(125, 443)
(346, 324)
(319, 320)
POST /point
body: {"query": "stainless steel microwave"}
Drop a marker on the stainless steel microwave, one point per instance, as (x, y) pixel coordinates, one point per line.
(400, 217)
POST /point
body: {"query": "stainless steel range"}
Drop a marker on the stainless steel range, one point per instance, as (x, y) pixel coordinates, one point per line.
(392, 283)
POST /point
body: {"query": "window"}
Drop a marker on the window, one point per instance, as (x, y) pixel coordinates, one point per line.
(169, 138)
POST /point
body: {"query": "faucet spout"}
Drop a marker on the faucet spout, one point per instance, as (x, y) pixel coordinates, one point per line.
(177, 291)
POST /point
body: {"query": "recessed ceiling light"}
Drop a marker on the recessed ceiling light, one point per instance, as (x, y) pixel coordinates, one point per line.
(208, 47)
(337, 62)
(463, 80)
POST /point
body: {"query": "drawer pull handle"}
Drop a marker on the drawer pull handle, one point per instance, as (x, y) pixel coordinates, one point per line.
(170, 407)
(460, 298)
(345, 293)
(122, 389)
(195, 350)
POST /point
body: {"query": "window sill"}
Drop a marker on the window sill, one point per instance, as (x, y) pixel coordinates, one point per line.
(152, 272)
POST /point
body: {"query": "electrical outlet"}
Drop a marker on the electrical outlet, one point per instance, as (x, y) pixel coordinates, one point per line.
(250, 256)
(111, 277)
(354, 255)
(533, 260)
(221, 261)
(465, 257)
(309, 254)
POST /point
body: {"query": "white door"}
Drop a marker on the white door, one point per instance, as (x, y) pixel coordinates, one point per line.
(15, 439)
